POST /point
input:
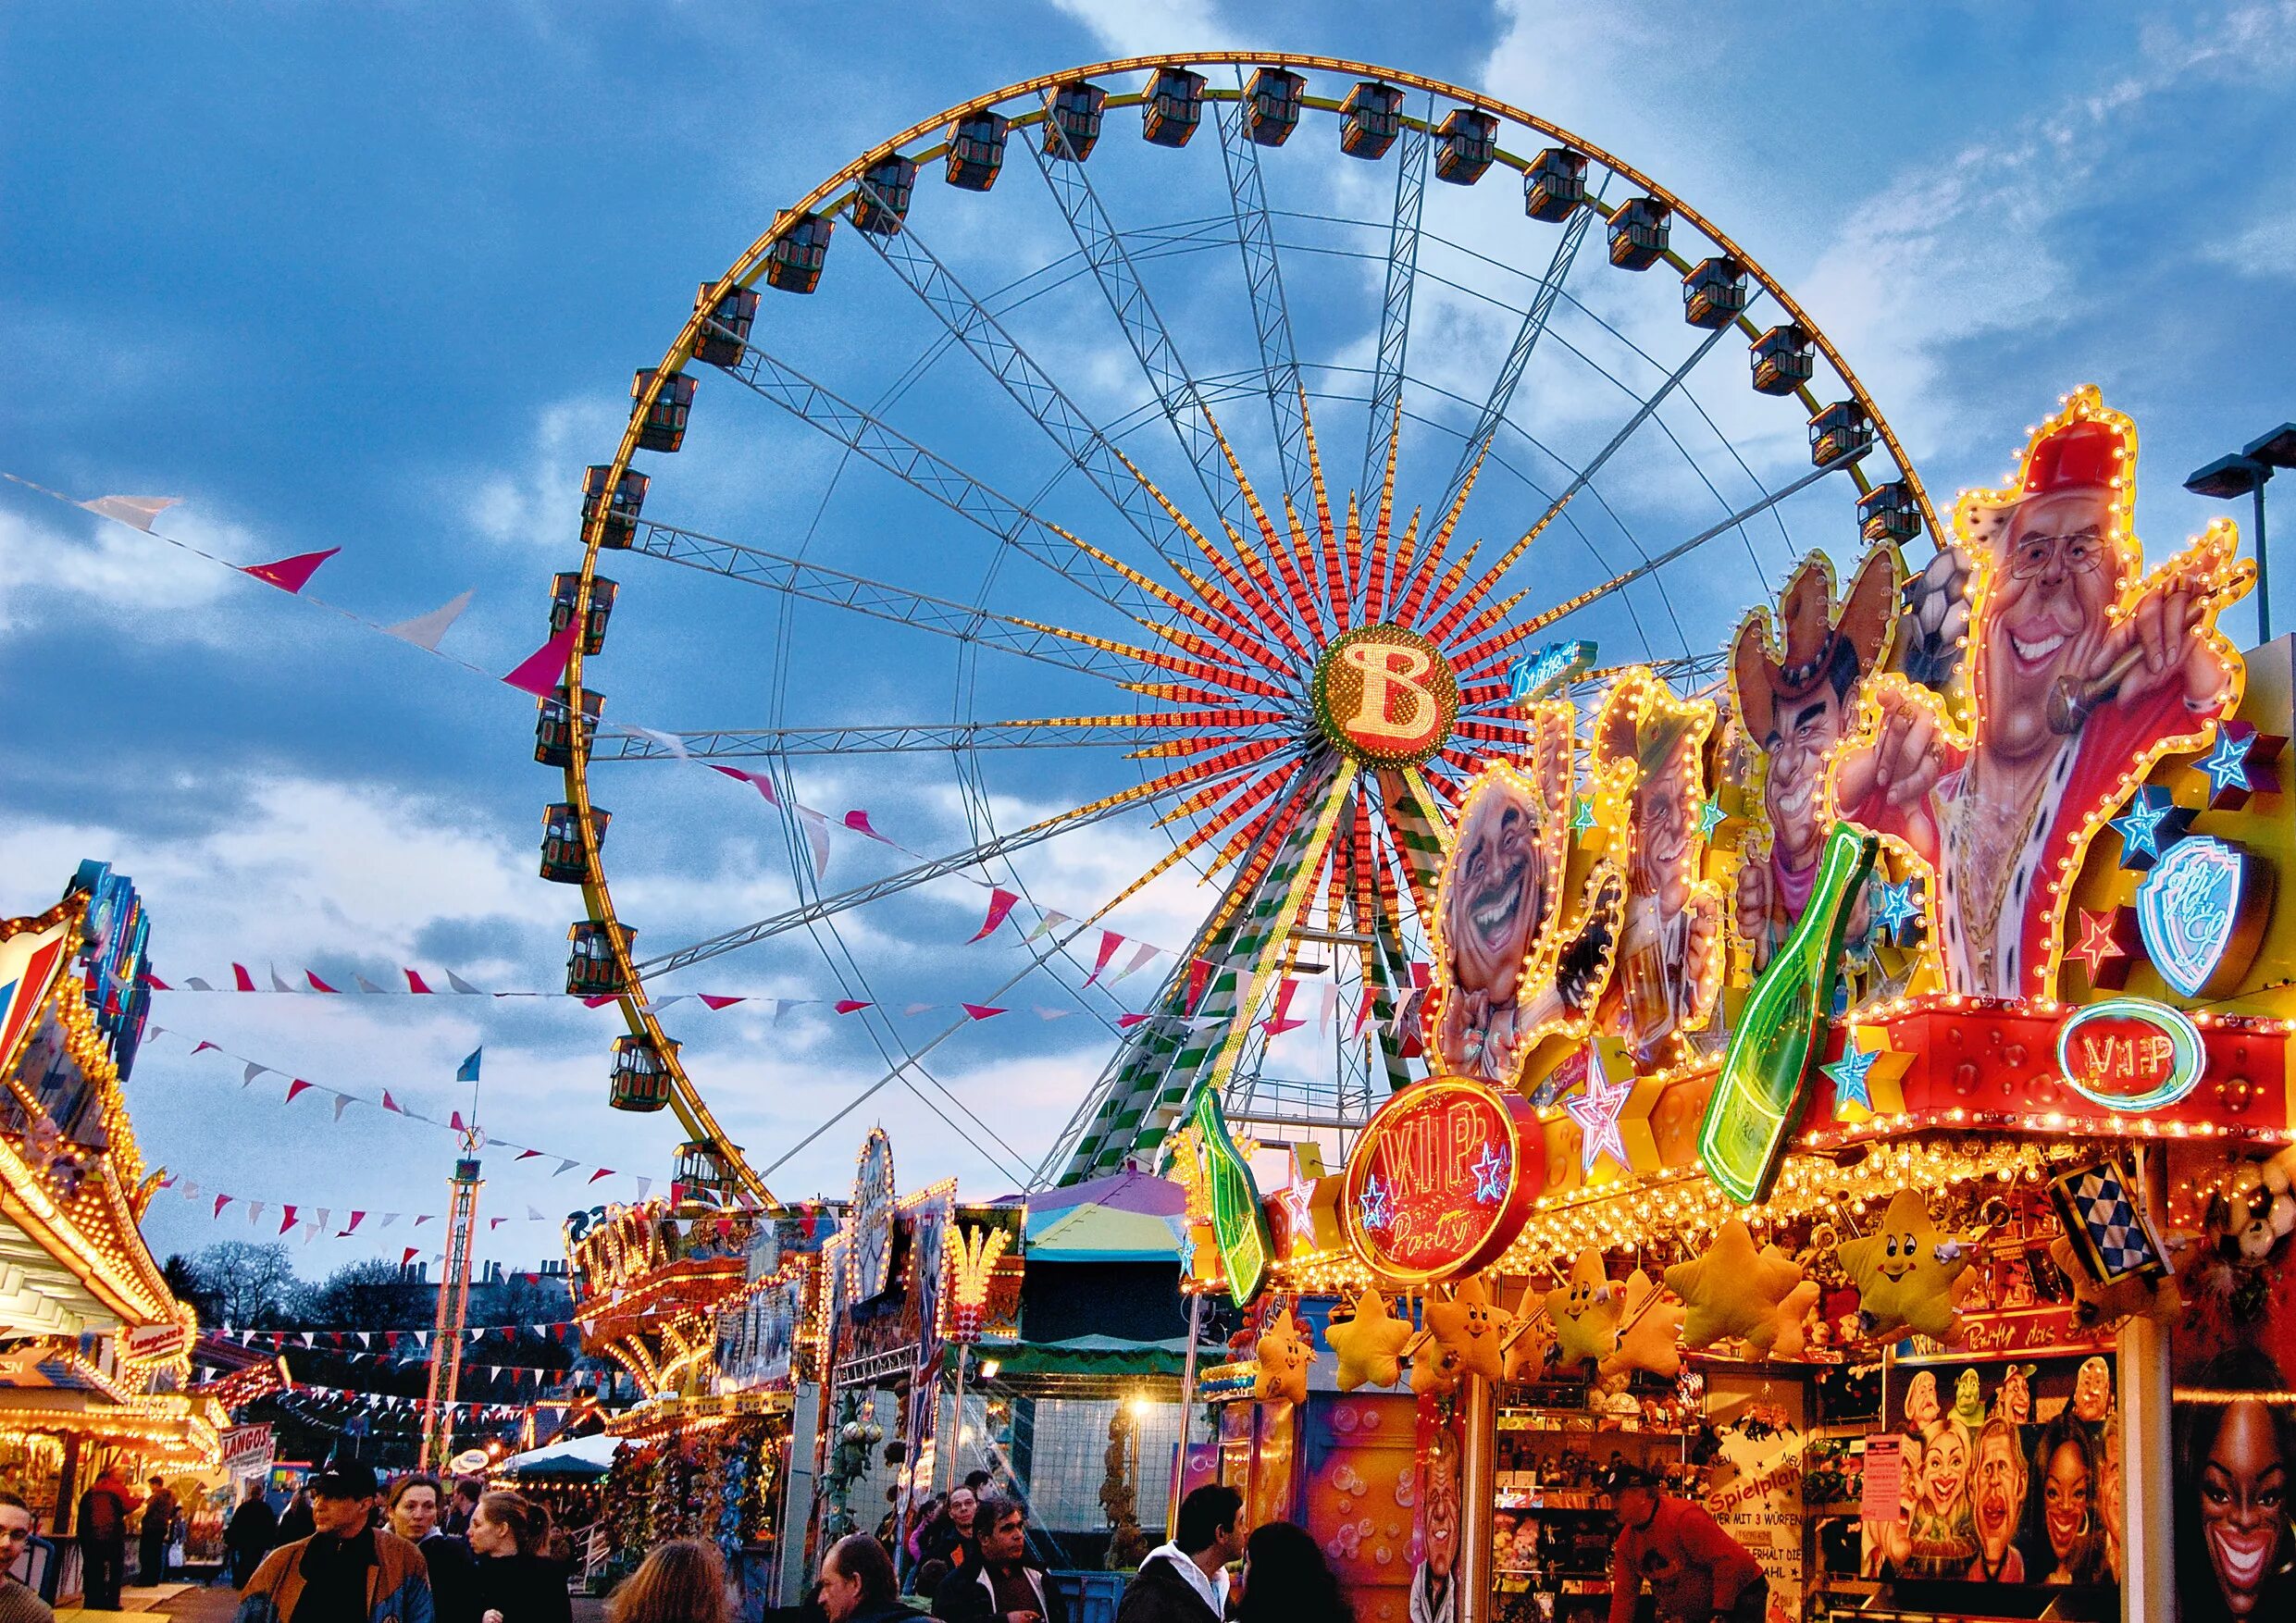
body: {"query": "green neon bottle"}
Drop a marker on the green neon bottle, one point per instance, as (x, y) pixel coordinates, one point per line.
(1758, 1096)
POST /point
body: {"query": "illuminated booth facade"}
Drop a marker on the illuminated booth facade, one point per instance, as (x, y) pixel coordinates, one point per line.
(96, 1351)
(1856, 1093)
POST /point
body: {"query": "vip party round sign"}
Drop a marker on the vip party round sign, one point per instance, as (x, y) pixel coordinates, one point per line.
(1439, 1181)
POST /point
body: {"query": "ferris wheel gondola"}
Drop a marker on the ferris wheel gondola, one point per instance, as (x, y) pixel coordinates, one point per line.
(1305, 667)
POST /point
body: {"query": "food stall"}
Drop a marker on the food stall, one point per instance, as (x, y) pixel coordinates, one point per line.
(1856, 1096)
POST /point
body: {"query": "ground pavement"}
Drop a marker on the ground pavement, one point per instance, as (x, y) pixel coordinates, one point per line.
(199, 1602)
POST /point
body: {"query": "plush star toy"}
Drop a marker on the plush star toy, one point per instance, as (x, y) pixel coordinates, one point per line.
(1649, 1333)
(1471, 1325)
(1909, 1274)
(1735, 1291)
(1532, 1339)
(1435, 1368)
(1370, 1344)
(1585, 1311)
(1282, 1357)
(2130, 1297)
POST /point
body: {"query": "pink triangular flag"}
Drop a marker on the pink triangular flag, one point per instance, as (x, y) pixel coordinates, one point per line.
(294, 1085)
(1110, 942)
(1000, 903)
(859, 822)
(222, 1201)
(527, 1155)
(1278, 1021)
(415, 983)
(288, 1223)
(600, 1172)
(715, 1001)
(318, 984)
(290, 575)
(241, 979)
(1124, 1022)
(757, 781)
(540, 671)
(849, 1006)
(980, 1011)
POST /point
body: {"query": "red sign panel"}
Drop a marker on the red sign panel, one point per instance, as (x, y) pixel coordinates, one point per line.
(1442, 1179)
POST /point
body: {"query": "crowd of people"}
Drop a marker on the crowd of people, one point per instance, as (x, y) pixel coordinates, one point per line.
(969, 1561)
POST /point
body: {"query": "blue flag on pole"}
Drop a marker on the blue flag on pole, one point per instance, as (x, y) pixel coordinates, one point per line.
(469, 1072)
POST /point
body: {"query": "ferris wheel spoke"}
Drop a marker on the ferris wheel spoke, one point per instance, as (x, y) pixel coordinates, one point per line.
(1535, 320)
(1263, 280)
(1104, 250)
(897, 738)
(894, 884)
(1395, 310)
(815, 583)
(875, 440)
(970, 324)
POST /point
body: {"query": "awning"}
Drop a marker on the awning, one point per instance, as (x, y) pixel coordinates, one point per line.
(1126, 1216)
(578, 1457)
(1094, 1354)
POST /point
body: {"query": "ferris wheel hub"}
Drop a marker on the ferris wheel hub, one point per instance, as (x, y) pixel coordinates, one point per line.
(1386, 695)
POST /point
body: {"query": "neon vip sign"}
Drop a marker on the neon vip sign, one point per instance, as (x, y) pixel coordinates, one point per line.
(2131, 1054)
(1440, 1181)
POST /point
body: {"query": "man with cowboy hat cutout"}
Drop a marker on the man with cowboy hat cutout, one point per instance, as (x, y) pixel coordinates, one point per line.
(1794, 708)
(2083, 674)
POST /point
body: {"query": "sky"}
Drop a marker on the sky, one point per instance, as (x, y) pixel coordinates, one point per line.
(375, 278)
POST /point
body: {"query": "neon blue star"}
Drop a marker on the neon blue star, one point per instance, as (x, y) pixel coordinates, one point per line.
(2227, 765)
(1848, 1074)
(1583, 815)
(1710, 817)
(1894, 906)
(1490, 1169)
(2140, 826)
(1374, 1205)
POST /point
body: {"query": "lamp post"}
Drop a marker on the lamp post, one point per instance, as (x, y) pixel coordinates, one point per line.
(2246, 473)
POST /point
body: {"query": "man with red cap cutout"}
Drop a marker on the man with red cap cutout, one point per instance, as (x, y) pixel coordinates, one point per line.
(2083, 674)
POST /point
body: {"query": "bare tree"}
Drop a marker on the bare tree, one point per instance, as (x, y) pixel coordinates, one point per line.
(245, 1283)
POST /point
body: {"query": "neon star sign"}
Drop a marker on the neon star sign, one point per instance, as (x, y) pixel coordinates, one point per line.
(1851, 1077)
(2148, 826)
(1596, 1111)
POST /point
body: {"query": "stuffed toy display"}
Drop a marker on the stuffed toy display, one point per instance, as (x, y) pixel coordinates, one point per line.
(1370, 1344)
(1282, 1357)
(1735, 1292)
(1650, 1332)
(1472, 1326)
(1909, 1274)
(1585, 1312)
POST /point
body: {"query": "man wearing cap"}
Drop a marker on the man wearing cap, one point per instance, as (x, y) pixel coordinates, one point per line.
(345, 1572)
(1795, 703)
(1697, 1572)
(2083, 674)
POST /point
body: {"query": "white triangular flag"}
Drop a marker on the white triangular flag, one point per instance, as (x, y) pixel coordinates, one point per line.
(425, 630)
(138, 510)
(462, 986)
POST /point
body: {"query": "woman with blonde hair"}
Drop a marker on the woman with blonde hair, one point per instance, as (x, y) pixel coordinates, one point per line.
(682, 1581)
(517, 1581)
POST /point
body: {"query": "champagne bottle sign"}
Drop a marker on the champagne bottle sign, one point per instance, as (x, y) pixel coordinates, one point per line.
(1758, 1094)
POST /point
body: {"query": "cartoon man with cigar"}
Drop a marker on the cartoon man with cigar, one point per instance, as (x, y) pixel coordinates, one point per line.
(2084, 673)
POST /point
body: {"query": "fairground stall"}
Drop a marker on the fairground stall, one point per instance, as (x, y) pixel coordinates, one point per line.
(705, 1305)
(96, 1351)
(1859, 1095)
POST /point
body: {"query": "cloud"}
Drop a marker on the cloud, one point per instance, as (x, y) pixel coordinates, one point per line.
(93, 562)
(1136, 27)
(538, 504)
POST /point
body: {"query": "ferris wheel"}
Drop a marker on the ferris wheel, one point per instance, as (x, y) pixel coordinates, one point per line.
(1107, 459)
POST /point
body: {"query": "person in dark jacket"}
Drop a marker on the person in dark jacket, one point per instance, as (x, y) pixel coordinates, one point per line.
(413, 1507)
(856, 1583)
(252, 1532)
(295, 1521)
(158, 1527)
(1288, 1580)
(1187, 1581)
(102, 1527)
(950, 1538)
(516, 1582)
(345, 1572)
(1002, 1588)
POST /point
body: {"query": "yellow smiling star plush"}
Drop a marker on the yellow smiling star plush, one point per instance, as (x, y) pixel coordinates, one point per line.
(1585, 1312)
(1909, 1274)
(1370, 1344)
(1472, 1326)
(1282, 1357)
(1649, 1333)
(1736, 1292)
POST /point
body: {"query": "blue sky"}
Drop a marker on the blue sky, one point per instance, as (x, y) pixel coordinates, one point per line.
(377, 277)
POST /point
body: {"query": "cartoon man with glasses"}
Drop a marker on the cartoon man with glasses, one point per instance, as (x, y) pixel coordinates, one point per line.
(2084, 673)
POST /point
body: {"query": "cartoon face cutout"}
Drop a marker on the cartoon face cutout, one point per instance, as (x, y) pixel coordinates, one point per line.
(2044, 614)
(2065, 1489)
(1945, 1468)
(2243, 1496)
(2092, 1390)
(1969, 1399)
(2015, 1399)
(1921, 1406)
(1999, 1504)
